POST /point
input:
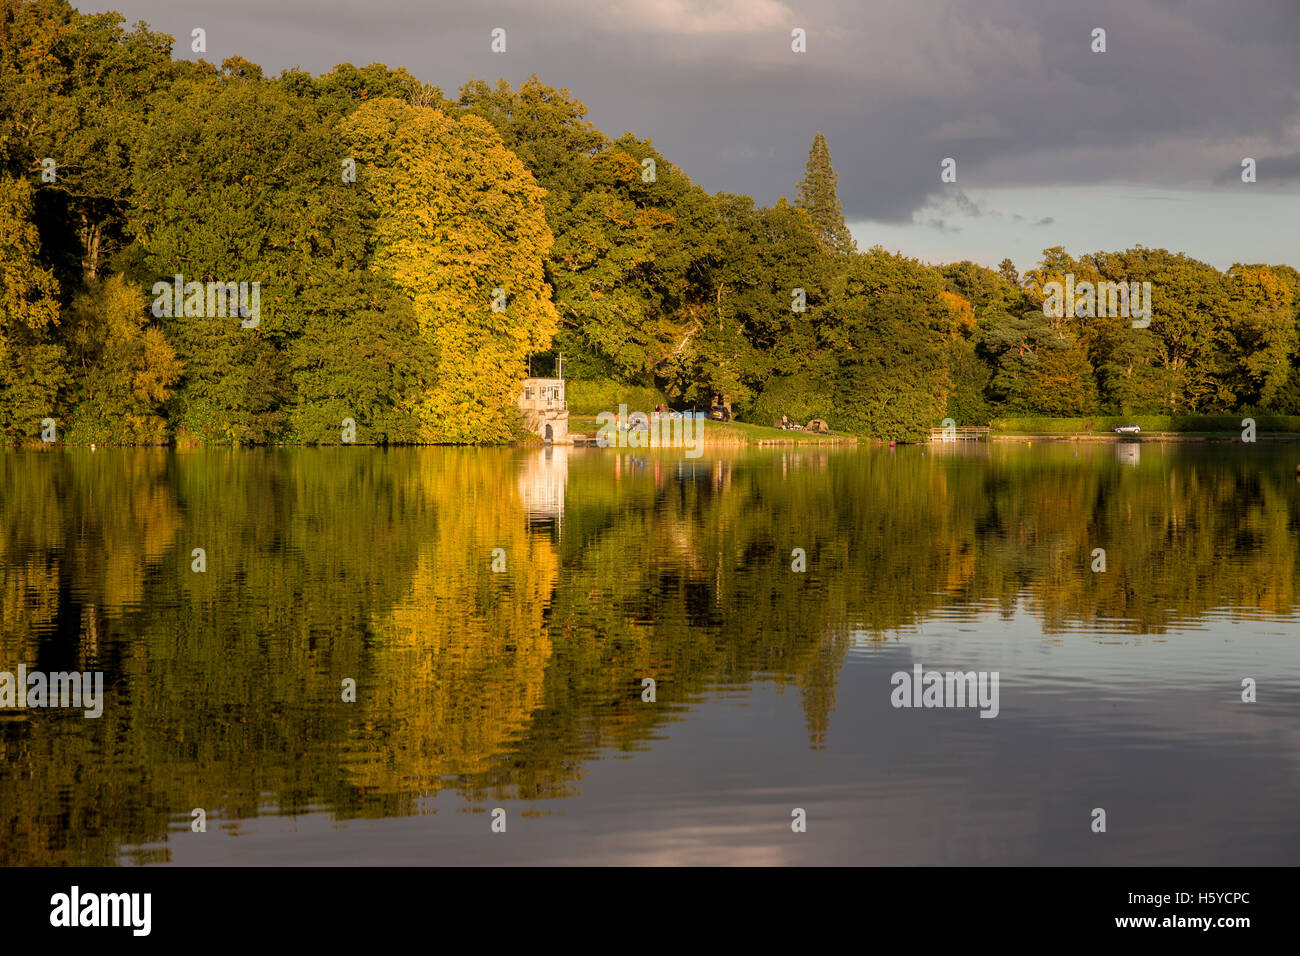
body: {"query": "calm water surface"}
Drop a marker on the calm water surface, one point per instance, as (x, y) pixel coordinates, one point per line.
(522, 689)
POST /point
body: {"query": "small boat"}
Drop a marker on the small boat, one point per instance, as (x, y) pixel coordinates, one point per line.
(1128, 429)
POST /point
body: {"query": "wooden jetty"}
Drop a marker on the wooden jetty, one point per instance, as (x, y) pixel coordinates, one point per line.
(960, 433)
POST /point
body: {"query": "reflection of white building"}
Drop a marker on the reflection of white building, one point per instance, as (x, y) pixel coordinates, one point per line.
(543, 476)
(1128, 452)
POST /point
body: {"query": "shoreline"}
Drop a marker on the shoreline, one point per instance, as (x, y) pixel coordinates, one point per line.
(732, 435)
(839, 441)
(1146, 437)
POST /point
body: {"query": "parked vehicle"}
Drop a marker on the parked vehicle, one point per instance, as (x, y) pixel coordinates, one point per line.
(1128, 429)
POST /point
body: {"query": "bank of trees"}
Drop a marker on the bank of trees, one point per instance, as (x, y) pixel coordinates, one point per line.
(413, 248)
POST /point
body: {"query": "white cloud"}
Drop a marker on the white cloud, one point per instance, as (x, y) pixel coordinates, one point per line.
(693, 17)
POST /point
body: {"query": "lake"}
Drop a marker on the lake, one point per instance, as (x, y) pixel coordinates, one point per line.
(357, 655)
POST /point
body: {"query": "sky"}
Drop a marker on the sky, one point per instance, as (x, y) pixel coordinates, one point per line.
(1054, 144)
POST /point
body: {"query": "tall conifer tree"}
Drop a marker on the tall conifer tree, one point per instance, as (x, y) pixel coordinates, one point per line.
(817, 195)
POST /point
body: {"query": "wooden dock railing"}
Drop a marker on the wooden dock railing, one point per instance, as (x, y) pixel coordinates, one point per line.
(960, 433)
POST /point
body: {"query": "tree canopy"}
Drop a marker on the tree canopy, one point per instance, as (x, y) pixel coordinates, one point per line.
(410, 250)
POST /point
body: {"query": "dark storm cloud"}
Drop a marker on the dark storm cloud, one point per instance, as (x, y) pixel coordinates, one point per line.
(1008, 88)
(1267, 168)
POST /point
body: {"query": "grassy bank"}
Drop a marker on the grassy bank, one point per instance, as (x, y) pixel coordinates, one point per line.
(1215, 426)
(732, 433)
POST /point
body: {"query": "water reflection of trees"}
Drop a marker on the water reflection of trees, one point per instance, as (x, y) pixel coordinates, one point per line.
(322, 565)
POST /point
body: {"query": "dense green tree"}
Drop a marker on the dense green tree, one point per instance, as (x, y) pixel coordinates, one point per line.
(636, 243)
(1039, 368)
(1267, 330)
(546, 128)
(280, 213)
(361, 356)
(346, 87)
(967, 402)
(632, 266)
(1007, 270)
(237, 182)
(1193, 318)
(886, 326)
(769, 287)
(1130, 376)
(989, 293)
(74, 89)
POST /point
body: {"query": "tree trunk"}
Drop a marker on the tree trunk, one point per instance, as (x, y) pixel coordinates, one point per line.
(90, 236)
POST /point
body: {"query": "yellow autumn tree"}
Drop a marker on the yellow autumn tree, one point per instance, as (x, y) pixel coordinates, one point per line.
(31, 359)
(458, 224)
(126, 370)
(963, 314)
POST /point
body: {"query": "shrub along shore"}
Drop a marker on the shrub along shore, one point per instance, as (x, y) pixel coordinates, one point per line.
(1167, 427)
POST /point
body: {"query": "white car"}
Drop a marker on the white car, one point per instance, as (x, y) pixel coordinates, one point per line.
(1128, 429)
